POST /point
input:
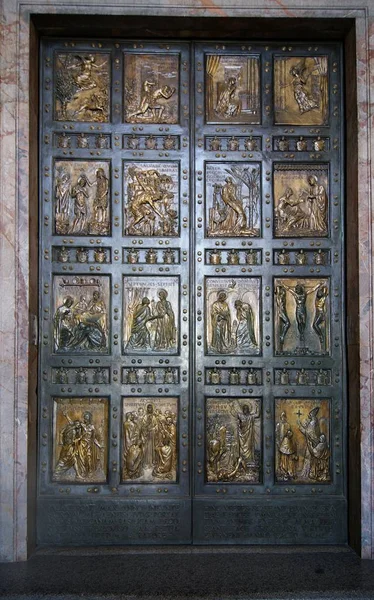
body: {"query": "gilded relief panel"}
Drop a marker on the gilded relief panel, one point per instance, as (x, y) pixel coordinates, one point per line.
(151, 315)
(232, 89)
(302, 438)
(80, 434)
(82, 87)
(82, 197)
(151, 88)
(150, 439)
(232, 315)
(301, 90)
(234, 440)
(232, 199)
(151, 199)
(302, 316)
(301, 200)
(81, 313)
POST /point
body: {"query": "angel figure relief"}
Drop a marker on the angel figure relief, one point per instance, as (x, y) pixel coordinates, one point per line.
(82, 87)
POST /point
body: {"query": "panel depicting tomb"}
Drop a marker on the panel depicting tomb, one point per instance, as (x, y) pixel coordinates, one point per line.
(232, 89)
(81, 375)
(151, 256)
(150, 315)
(151, 88)
(150, 439)
(232, 315)
(302, 438)
(233, 256)
(82, 197)
(81, 313)
(82, 254)
(302, 376)
(80, 440)
(82, 87)
(233, 376)
(233, 440)
(232, 199)
(149, 375)
(151, 199)
(301, 90)
(301, 200)
(302, 316)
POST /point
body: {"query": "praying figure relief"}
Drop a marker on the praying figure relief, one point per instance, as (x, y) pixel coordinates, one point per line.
(82, 87)
(301, 90)
(232, 199)
(80, 322)
(301, 201)
(232, 316)
(80, 434)
(151, 315)
(81, 197)
(151, 88)
(232, 89)
(233, 438)
(301, 316)
(150, 452)
(302, 437)
(151, 199)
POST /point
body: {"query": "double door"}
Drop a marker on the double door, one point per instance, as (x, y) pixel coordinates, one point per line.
(192, 381)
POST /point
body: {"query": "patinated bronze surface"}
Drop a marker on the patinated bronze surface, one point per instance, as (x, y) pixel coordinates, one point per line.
(192, 324)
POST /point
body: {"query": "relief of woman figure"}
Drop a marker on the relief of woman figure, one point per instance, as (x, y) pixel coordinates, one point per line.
(221, 324)
(304, 100)
(317, 198)
(245, 333)
(165, 334)
(227, 105)
(133, 448)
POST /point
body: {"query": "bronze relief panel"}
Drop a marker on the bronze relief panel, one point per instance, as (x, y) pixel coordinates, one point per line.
(82, 197)
(232, 315)
(81, 313)
(232, 199)
(301, 90)
(82, 87)
(151, 315)
(232, 89)
(151, 199)
(233, 440)
(301, 200)
(302, 437)
(302, 316)
(151, 88)
(150, 439)
(80, 440)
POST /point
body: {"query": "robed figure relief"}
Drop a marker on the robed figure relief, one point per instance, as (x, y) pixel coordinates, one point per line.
(80, 440)
(301, 316)
(232, 89)
(301, 201)
(232, 199)
(151, 315)
(233, 440)
(150, 439)
(82, 87)
(301, 90)
(232, 319)
(82, 198)
(302, 440)
(151, 88)
(151, 198)
(80, 322)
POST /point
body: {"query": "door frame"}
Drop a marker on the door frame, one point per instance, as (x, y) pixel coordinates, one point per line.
(22, 171)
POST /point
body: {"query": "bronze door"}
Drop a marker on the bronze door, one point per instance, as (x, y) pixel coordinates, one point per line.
(192, 383)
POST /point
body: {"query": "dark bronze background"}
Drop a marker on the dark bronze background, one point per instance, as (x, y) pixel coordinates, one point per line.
(249, 255)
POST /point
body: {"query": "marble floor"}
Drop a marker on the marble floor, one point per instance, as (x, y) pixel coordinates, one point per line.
(181, 573)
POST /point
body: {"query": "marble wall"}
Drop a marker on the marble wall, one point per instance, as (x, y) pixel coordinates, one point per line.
(15, 269)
